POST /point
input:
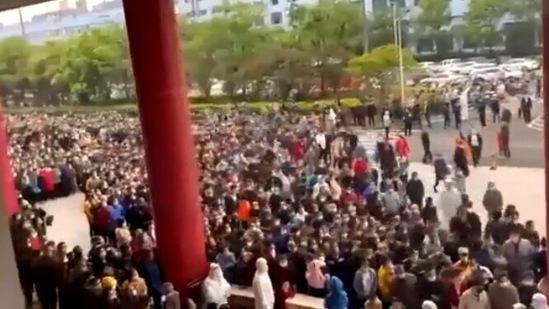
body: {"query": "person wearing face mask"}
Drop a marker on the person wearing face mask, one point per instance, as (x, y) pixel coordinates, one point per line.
(391, 201)
(527, 287)
(517, 251)
(364, 282)
(475, 297)
(415, 190)
(493, 199)
(45, 278)
(430, 287)
(501, 292)
(404, 288)
(282, 279)
(315, 276)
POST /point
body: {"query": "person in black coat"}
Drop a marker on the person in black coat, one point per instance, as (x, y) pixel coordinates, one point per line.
(430, 287)
(441, 170)
(426, 143)
(415, 190)
(45, 279)
(353, 141)
(387, 159)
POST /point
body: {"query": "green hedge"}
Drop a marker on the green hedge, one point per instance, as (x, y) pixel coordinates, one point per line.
(128, 107)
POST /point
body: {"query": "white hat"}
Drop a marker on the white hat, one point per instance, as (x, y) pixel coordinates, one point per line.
(427, 304)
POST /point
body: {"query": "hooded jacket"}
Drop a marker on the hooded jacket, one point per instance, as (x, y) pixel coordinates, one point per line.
(337, 298)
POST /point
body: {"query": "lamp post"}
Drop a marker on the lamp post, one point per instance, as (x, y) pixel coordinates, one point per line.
(401, 62)
(365, 27)
(397, 36)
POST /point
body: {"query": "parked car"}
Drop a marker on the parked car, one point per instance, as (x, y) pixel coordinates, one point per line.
(441, 79)
(463, 68)
(523, 63)
(511, 71)
(492, 73)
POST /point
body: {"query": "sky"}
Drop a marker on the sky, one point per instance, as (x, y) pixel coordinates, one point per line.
(12, 17)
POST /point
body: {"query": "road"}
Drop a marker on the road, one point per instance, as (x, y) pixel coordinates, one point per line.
(526, 144)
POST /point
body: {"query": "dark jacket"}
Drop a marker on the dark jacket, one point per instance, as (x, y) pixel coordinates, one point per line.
(415, 190)
(405, 290)
(441, 168)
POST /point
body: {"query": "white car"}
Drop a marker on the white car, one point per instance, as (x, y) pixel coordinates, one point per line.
(463, 68)
(426, 64)
(511, 71)
(481, 67)
(440, 79)
(492, 73)
(449, 62)
(523, 63)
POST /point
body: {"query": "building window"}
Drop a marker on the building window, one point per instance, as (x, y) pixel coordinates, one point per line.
(276, 18)
(274, 2)
(202, 12)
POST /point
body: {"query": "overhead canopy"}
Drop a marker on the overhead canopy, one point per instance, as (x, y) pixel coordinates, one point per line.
(14, 4)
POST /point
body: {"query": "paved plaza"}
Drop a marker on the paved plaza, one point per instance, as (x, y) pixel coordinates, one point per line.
(523, 187)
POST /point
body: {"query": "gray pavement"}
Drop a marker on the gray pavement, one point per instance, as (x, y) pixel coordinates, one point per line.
(69, 222)
(523, 187)
(526, 145)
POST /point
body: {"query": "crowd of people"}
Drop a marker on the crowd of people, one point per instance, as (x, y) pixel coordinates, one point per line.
(293, 204)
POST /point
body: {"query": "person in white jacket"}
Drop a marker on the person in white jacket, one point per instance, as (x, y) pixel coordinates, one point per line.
(215, 288)
(262, 286)
(450, 200)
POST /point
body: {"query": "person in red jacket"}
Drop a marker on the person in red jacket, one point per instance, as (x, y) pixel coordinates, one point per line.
(359, 166)
(297, 149)
(48, 182)
(402, 147)
(102, 221)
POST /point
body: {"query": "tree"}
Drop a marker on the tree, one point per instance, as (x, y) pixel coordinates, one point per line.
(330, 32)
(526, 10)
(527, 28)
(14, 55)
(94, 62)
(381, 64)
(44, 68)
(482, 21)
(435, 14)
(234, 47)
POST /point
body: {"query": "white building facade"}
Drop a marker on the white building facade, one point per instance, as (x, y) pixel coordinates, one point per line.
(67, 21)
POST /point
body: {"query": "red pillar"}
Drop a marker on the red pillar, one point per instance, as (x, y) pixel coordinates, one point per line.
(166, 125)
(10, 291)
(9, 198)
(545, 63)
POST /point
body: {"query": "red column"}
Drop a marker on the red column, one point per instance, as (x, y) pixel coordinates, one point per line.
(10, 291)
(9, 198)
(166, 125)
(545, 63)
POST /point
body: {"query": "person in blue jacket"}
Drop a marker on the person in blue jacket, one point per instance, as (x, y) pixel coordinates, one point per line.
(337, 297)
